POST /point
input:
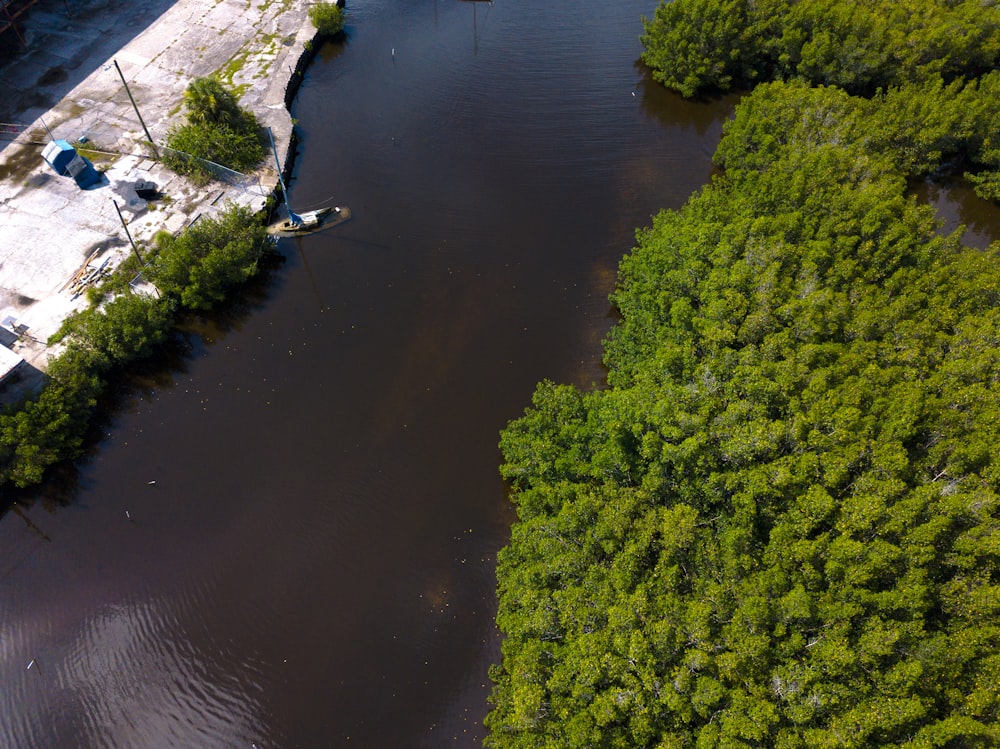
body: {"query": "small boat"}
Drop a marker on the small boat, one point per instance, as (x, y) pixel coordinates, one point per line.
(306, 223)
(298, 224)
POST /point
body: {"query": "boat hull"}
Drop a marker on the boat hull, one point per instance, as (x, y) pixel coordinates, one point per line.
(325, 218)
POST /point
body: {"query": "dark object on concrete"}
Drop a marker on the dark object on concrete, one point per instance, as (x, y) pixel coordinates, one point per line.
(146, 190)
(83, 172)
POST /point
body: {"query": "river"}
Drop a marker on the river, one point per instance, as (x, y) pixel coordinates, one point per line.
(288, 537)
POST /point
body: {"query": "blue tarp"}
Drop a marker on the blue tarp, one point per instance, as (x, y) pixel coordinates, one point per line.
(65, 161)
(58, 154)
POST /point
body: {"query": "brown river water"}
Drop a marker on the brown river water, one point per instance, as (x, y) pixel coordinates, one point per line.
(314, 564)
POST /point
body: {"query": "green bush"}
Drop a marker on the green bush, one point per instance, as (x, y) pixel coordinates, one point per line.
(217, 130)
(201, 264)
(328, 18)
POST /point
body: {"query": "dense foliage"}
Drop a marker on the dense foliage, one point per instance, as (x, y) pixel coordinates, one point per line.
(921, 66)
(922, 128)
(860, 46)
(328, 18)
(193, 270)
(52, 427)
(217, 129)
(779, 526)
(198, 266)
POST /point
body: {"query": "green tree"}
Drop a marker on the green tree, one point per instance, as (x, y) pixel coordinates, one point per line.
(200, 265)
(778, 526)
(684, 40)
(127, 328)
(327, 17)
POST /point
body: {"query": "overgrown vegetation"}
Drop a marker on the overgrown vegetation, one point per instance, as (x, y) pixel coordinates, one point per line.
(693, 45)
(216, 129)
(328, 18)
(193, 271)
(780, 525)
(919, 71)
(201, 264)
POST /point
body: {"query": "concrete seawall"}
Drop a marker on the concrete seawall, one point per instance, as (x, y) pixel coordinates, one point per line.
(63, 83)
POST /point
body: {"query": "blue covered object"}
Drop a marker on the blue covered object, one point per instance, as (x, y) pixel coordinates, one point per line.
(65, 161)
(58, 154)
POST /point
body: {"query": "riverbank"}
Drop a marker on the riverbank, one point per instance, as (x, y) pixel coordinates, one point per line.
(64, 84)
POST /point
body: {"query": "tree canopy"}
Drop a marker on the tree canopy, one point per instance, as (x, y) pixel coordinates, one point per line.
(779, 525)
(198, 266)
(921, 73)
(692, 45)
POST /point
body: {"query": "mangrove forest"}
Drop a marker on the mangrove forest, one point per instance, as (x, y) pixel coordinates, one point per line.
(777, 526)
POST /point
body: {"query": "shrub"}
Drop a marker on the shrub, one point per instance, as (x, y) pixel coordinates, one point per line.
(328, 18)
(198, 266)
(216, 130)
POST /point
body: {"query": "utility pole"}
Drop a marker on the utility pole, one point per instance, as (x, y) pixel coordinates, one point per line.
(145, 129)
(128, 234)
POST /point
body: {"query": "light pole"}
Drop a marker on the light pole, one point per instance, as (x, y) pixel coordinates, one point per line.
(129, 235)
(144, 128)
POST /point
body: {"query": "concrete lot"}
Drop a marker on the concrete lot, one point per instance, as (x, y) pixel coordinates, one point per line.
(64, 78)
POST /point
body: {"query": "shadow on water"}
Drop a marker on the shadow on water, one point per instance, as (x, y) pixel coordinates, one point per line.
(671, 110)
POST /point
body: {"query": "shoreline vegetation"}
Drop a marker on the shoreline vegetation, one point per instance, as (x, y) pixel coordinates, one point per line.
(193, 271)
(779, 525)
(216, 130)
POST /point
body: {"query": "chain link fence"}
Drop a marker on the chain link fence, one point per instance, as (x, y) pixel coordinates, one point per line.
(248, 183)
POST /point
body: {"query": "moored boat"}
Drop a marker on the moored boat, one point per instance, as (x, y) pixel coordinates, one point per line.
(310, 221)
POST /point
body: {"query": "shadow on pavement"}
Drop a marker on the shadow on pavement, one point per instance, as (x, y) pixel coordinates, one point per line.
(64, 42)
